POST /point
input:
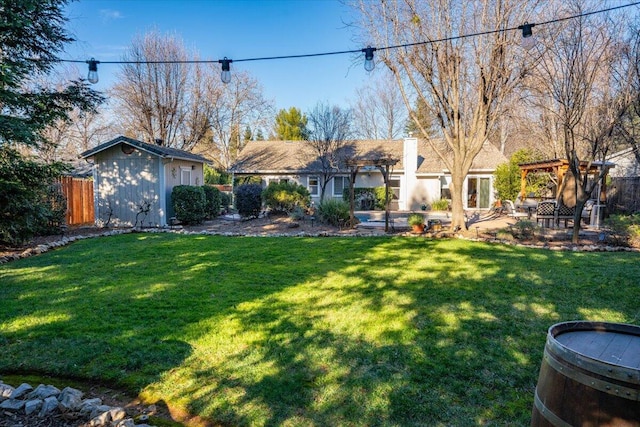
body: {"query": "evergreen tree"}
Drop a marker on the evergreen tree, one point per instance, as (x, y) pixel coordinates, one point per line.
(291, 125)
(31, 35)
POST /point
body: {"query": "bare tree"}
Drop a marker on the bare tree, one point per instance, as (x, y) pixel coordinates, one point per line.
(329, 130)
(162, 101)
(233, 107)
(378, 110)
(583, 88)
(463, 82)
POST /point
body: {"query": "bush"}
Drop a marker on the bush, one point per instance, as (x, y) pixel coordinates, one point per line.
(249, 200)
(213, 201)
(189, 203)
(624, 229)
(440, 205)
(30, 202)
(380, 197)
(334, 212)
(364, 198)
(285, 196)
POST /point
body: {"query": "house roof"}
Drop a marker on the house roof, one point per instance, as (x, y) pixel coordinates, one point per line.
(295, 156)
(429, 162)
(158, 150)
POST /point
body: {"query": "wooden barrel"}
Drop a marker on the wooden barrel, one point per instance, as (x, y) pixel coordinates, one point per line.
(590, 376)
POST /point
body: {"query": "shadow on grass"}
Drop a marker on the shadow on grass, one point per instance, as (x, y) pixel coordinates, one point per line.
(272, 331)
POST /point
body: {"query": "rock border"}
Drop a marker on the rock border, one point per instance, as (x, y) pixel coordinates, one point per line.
(49, 402)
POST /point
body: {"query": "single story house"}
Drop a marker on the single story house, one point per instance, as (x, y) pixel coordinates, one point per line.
(133, 181)
(418, 178)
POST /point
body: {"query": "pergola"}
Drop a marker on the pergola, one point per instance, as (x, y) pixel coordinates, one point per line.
(384, 165)
(560, 167)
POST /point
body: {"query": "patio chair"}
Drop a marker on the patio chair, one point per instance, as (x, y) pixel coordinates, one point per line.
(546, 212)
(564, 213)
(512, 212)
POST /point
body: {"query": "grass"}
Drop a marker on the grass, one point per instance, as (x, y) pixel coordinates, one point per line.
(303, 331)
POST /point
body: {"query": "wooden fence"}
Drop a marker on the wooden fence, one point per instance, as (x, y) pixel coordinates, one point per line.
(623, 195)
(79, 195)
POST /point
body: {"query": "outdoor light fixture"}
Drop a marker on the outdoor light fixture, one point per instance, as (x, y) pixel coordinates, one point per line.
(225, 76)
(93, 71)
(369, 64)
(527, 35)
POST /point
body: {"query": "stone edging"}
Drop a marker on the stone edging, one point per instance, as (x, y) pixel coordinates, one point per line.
(36, 250)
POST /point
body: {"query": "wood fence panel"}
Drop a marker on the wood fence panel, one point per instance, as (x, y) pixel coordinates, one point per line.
(79, 195)
(623, 195)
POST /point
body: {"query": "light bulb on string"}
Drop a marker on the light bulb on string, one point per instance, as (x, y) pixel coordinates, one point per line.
(369, 63)
(225, 76)
(93, 71)
(528, 40)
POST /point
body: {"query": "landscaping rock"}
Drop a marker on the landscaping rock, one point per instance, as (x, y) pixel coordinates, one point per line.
(49, 405)
(22, 390)
(5, 391)
(12, 405)
(70, 399)
(43, 391)
(89, 405)
(33, 405)
(98, 410)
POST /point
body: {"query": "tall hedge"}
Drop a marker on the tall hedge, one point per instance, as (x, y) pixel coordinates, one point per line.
(249, 200)
(214, 201)
(189, 203)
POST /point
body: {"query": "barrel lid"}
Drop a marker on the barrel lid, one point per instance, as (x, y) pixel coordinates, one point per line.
(616, 344)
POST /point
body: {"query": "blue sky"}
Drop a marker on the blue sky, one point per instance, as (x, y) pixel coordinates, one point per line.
(237, 29)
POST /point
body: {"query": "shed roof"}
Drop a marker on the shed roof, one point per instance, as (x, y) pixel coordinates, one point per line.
(158, 150)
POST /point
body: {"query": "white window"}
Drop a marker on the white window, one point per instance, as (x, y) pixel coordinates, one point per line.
(340, 183)
(394, 187)
(314, 185)
(185, 176)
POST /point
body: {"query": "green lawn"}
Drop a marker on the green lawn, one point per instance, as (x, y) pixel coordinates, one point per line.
(308, 331)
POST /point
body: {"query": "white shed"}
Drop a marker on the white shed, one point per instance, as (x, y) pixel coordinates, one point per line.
(133, 181)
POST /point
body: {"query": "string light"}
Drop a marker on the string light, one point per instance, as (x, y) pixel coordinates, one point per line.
(369, 64)
(93, 71)
(225, 76)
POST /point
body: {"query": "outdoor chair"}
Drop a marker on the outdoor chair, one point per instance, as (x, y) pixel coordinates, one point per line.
(512, 212)
(565, 213)
(546, 212)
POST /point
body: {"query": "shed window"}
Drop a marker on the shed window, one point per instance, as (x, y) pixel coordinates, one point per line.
(185, 176)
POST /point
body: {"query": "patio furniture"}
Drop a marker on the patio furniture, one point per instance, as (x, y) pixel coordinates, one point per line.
(564, 213)
(546, 212)
(512, 212)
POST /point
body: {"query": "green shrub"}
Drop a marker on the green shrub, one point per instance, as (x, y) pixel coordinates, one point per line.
(189, 203)
(334, 212)
(213, 197)
(297, 213)
(380, 192)
(440, 205)
(364, 197)
(249, 200)
(624, 229)
(285, 196)
(523, 229)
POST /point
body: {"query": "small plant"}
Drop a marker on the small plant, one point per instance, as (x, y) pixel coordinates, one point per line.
(523, 229)
(415, 219)
(624, 229)
(297, 214)
(334, 212)
(440, 205)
